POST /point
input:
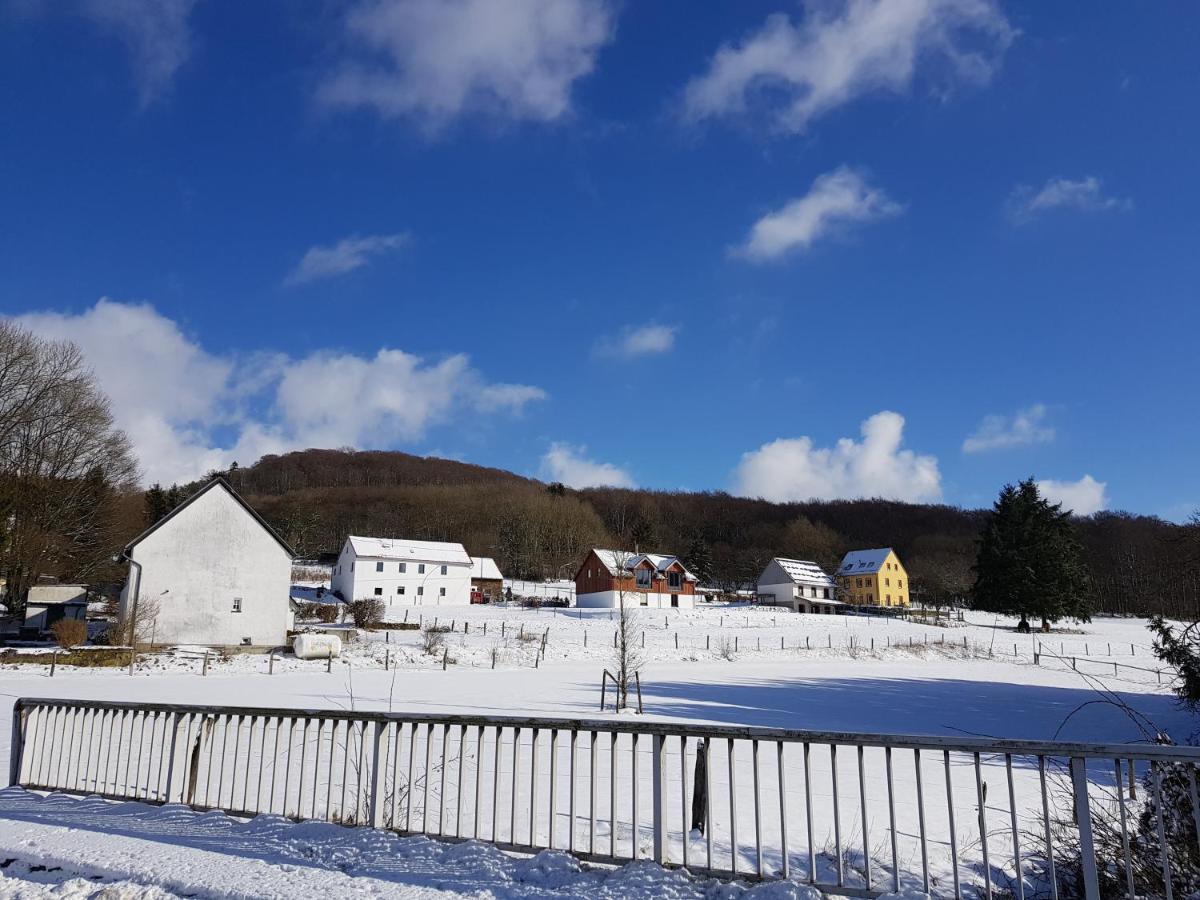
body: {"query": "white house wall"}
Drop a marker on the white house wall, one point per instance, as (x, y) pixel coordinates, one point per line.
(359, 578)
(194, 565)
(633, 600)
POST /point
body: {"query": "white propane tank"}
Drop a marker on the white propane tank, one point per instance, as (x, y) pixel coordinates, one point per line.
(317, 646)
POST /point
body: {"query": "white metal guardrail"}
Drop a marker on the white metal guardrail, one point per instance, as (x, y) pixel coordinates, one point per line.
(852, 814)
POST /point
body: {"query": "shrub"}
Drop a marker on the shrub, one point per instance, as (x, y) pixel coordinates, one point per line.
(433, 639)
(307, 612)
(70, 632)
(327, 613)
(366, 611)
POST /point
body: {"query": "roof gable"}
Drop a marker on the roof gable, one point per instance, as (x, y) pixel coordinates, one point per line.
(212, 485)
(630, 561)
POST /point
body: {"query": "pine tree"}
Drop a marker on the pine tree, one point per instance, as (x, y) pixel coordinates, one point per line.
(699, 560)
(156, 504)
(1029, 561)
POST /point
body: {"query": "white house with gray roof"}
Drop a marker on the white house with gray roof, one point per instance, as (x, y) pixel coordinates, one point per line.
(403, 572)
(798, 584)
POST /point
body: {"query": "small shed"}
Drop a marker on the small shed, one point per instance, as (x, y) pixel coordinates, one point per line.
(486, 579)
(48, 603)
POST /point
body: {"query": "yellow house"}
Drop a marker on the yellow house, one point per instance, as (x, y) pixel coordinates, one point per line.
(872, 578)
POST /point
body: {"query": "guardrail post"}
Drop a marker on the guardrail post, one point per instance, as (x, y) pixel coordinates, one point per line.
(660, 800)
(171, 757)
(377, 776)
(1087, 849)
(17, 745)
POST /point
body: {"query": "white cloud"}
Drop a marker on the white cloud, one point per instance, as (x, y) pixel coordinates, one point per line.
(645, 340)
(835, 201)
(1021, 429)
(841, 51)
(188, 410)
(1084, 195)
(346, 255)
(568, 464)
(792, 469)
(1083, 497)
(434, 60)
(154, 31)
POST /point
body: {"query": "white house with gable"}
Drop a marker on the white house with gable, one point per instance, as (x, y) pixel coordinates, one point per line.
(796, 583)
(211, 572)
(403, 573)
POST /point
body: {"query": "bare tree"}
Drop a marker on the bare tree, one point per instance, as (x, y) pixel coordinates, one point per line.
(137, 627)
(62, 464)
(628, 658)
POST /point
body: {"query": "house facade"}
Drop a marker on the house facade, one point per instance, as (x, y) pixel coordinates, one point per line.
(211, 572)
(487, 584)
(609, 577)
(873, 578)
(403, 572)
(802, 586)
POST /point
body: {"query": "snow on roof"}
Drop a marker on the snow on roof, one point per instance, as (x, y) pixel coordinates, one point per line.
(803, 571)
(863, 562)
(631, 561)
(421, 551)
(485, 567)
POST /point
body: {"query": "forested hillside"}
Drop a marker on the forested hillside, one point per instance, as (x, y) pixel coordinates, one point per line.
(316, 497)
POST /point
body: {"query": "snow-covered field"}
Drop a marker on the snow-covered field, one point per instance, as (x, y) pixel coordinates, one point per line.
(812, 672)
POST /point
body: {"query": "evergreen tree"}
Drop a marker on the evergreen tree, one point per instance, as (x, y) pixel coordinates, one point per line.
(1029, 562)
(699, 560)
(156, 504)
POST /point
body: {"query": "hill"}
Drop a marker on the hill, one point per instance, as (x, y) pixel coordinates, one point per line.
(534, 530)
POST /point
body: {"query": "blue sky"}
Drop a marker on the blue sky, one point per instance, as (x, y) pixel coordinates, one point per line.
(906, 248)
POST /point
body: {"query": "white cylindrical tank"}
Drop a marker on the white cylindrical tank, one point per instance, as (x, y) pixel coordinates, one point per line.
(317, 646)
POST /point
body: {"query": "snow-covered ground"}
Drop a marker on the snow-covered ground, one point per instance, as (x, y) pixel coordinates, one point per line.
(812, 672)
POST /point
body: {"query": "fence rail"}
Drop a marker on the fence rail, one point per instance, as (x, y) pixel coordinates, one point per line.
(852, 814)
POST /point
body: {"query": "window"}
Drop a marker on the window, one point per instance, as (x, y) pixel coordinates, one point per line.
(887, 582)
(868, 582)
(899, 583)
(420, 568)
(400, 590)
(858, 582)
(443, 570)
(351, 567)
(379, 592)
(441, 592)
(403, 568)
(675, 580)
(643, 578)
(674, 599)
(826, 595)
(237, 604)
(420, 592)
(378, 567)
(645, 599)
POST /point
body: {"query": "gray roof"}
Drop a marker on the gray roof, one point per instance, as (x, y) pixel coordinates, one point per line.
(863, 562)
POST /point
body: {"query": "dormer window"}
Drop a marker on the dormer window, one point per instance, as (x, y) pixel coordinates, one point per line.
(643, 577)
(675, 579)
